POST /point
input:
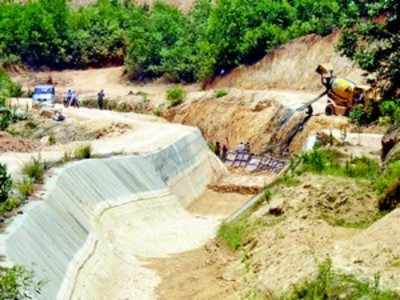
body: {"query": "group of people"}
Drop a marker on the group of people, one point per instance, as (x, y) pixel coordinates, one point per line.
(243, 148)
(222, 152)
(71, 99)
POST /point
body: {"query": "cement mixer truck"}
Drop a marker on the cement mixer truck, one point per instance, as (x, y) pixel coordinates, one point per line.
(344, 94)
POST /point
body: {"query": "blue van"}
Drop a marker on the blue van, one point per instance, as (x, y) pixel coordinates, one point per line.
(44, 95)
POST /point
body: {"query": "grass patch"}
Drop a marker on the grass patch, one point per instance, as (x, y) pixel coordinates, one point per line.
(83, 152)
(233, 233)
(237, 232)
(254, 294)
(328, 162)
(175, 95)
(285, 180)
(332, 285)
(220, 93)
(395, 263)
(35, 170)
(25, 187)
(361, 224)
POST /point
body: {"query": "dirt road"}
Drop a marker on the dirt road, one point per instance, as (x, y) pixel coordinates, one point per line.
(89, 82)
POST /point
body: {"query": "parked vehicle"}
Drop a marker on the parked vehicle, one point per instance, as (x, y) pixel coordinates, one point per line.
(44, 95)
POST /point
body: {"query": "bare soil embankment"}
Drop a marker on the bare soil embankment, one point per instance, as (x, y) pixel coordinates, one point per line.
(247, 116)
(292, 66)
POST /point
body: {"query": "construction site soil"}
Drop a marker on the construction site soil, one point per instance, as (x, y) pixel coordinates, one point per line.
(292, 66)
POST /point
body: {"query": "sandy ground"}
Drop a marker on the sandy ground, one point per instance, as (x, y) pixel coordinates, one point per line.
(150, 228)
(199, 274)
(159, 227)
(195, 275)
(216, 204)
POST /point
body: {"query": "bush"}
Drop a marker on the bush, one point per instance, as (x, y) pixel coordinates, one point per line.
(11, 204)
(175, 95)
(331, 285)
(35, 170)
(388, 178)
(18, 283)
(5, 183)
(5, 118)
(391, 110)
(26, 187)
(8, 88)
(83, 152)
(220, 93)
(374, 45)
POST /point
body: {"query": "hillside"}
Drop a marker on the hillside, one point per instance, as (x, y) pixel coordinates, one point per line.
(292, 66)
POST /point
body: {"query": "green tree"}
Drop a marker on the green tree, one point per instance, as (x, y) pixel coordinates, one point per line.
(374, 43)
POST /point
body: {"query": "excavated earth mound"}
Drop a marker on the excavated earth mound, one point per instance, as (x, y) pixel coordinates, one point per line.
(248, 116)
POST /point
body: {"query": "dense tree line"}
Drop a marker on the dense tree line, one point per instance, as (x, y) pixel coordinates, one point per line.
(214, 36)
(374, 43)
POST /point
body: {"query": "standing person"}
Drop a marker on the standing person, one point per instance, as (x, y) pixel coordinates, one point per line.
(247, 147)
(74, 100)
(240, 148)
(100, 99)
(224, 152)
(218, 149)
(68, 98)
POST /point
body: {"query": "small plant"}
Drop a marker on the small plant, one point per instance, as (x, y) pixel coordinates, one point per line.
(67, 157)
(232, 233)
(35, 170)
(5, 183)
(220, 93)
(175, 95)
(26, 187)
(52, 140)
(157, 111)
(83, 152)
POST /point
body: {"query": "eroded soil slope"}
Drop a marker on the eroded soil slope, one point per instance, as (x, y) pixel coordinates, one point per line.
(251, 116)
(292, 66)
